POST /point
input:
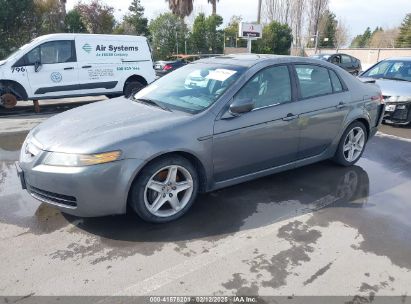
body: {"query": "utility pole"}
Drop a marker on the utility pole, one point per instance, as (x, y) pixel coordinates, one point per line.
(177, 42)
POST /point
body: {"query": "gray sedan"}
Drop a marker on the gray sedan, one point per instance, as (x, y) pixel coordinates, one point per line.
(249, 116)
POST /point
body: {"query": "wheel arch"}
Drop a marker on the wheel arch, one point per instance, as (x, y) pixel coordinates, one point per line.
(195, 161)
(11, 86)
(135, 77)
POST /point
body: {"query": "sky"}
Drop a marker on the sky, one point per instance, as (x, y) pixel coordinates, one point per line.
(357, 14)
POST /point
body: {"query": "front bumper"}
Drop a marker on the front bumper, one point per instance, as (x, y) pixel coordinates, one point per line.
(401, 114)
(82, 191)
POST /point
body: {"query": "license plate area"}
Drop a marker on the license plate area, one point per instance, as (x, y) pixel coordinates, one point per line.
(390, 108)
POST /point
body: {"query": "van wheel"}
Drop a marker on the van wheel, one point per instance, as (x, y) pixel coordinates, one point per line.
(352, 145)
(8, 100)
(164, 190)
(131, 88)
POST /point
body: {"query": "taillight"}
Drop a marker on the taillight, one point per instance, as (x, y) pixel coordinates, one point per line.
(167, 67)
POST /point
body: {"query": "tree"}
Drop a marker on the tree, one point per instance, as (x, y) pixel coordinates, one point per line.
(50, 16)
(136, 20)
(231, 33)
(98, 18)
(404, 37)
(17, 24)
(341, 34)
(214, 5)
(316, 8)
(384, 38)
(199, 34)
(205, 36)
(168, 32)
(181, 8)
(74, 24)
(328, 28)
(277, 39)
(362, 41)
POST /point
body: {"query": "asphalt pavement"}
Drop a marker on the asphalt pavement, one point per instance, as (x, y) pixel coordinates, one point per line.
(316, 230)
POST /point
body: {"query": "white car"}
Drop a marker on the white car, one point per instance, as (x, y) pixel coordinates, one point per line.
(72, 65)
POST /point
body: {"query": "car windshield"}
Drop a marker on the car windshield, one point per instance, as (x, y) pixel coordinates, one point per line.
(191, 88)
(390, 69)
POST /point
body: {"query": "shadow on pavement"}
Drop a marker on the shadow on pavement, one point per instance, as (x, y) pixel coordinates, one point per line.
(246, 206)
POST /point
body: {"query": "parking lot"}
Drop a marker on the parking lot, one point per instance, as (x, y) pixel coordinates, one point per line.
(317, 230)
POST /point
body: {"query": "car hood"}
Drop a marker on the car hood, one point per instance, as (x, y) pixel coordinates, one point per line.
(2, 62)
(394, 87)
(102, 125)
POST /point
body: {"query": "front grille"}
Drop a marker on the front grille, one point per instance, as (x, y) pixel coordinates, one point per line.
(51, 197)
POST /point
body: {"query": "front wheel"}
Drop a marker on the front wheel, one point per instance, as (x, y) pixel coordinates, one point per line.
(164, 190)
(351, 145)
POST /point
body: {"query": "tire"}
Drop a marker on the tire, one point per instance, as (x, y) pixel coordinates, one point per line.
(170, 203)
(131, 88)
(346, 157)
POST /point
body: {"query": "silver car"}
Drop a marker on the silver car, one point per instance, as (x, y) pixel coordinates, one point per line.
(393, 76)
(255, 115)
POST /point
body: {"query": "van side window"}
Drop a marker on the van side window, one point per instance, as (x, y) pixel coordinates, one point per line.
(269, 87)
(336, 82)
(313, 80)
(50, 53)
(56, 52)
(33, 56)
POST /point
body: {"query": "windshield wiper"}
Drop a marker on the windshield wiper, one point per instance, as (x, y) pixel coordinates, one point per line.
(153, 103)
(394, 78)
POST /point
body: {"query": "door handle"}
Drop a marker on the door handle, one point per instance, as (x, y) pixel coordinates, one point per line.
(69, 68)
(341, 105)
(86, 66)
(290, 116)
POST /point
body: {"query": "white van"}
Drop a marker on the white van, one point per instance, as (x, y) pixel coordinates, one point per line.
(73, 65)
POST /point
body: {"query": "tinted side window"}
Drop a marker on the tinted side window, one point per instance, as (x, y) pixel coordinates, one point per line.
(345, 59)
(336, 82)
(56, 52)
(268, 87)
(33, 56)
(313, 80)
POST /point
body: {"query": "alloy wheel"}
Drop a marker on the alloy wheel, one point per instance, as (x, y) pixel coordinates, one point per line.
(168, 191)
(354, 144)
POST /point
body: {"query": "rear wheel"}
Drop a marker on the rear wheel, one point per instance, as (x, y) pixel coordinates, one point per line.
(351, 145)
(164, 190)
(131, 88)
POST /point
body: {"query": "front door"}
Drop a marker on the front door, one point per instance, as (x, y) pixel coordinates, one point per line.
(261, 139)
(323, 106)
(57, 73)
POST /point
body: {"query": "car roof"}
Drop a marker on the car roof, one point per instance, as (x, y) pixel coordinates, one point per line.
(248, 60)
(404, 58)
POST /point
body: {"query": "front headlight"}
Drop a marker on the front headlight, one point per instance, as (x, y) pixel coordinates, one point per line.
(399, 99)
(80, 160)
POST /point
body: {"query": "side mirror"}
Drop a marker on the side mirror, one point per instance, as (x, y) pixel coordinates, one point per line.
(37, 66)
(241, 106)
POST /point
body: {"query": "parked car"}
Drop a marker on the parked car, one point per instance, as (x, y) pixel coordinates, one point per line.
(164, 67)
(257, 115)
(393, 76)
(347, 62)
(68, 65)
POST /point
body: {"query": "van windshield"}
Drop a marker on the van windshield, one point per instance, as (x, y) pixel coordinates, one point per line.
(191, 88)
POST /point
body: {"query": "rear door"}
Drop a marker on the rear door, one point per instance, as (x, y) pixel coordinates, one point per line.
(347, 63)
(57, 74)
(323, 106)
(264, 138)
